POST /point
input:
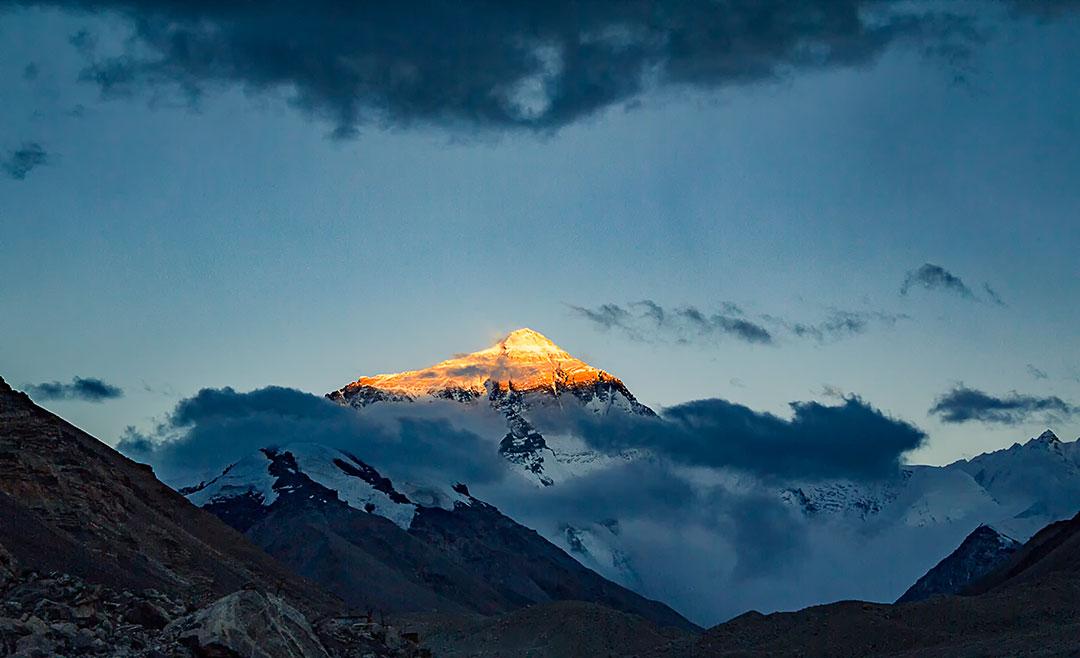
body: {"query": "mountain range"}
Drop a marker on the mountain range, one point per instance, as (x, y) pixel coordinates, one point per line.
(525, 377)
(335, 535)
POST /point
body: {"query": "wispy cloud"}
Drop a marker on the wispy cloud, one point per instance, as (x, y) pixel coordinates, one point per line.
(934, 277)
(839, 324)
(993, 296)
(1037, 373)
(19, 162)
(649, 321)
(89, 389)
(963, 404)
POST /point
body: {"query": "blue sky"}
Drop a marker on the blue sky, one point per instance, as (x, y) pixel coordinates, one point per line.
(165, 247)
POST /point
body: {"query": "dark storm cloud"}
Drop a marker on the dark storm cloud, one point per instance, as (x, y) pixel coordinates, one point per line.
(216, 427)
(529, 64)
(21, 161)
(963, 404)
(851, 439)
(89, 389)
(648, 321)
(935, 277)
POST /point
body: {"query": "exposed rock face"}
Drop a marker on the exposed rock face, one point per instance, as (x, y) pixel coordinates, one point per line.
(984, 550)
(248, 623)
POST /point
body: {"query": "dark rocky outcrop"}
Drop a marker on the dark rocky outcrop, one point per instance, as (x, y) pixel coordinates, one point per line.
(982, 551)
(248, 623)
(56, 614)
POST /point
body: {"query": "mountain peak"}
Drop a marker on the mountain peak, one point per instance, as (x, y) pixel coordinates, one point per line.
(524, 358)
(1048, 437)
(526, 340)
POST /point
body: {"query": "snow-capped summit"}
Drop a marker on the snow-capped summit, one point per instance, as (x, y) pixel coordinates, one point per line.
(519, 374)
(522, 361)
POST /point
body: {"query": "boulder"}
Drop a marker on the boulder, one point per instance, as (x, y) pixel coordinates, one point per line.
(248, 624)
(146, 614)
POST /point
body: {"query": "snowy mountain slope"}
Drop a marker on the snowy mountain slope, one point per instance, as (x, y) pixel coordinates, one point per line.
(338, 521)
(1019, 489)
(356, 483)
(1035, 481)
(520, 375)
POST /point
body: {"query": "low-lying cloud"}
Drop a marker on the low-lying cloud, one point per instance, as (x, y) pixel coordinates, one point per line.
(963, 404)
(217, 427)
(677, 516)
(848, 440)
(89, 389)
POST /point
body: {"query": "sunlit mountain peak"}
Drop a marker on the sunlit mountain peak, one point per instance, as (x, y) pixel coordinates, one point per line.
(525, 359)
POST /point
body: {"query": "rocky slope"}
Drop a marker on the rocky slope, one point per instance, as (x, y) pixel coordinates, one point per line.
(71, 504)
(56, 614)
(984, 550)
(566, 629)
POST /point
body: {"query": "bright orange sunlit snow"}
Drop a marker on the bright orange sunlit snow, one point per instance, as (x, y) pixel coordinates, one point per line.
(525, 358)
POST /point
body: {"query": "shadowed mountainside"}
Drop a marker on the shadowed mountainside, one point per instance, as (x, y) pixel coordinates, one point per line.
(72, 504)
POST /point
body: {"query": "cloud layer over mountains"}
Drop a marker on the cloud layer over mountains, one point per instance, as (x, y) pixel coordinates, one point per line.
(849, 440)
(217, 427)
(671, 503)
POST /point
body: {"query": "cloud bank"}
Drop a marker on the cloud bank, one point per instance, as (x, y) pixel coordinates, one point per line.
(963, 404)
(849, 440)
(89, 389)
(216, 427)
(529, 65)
